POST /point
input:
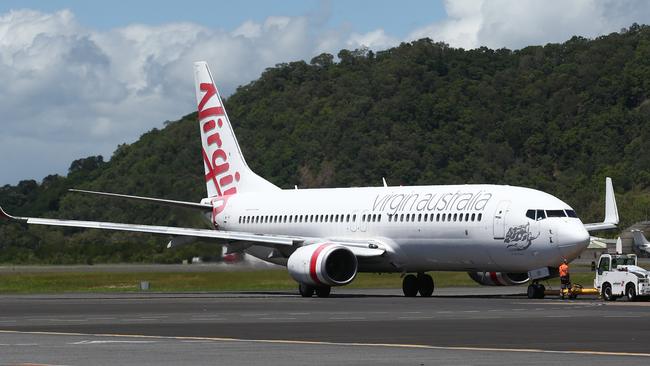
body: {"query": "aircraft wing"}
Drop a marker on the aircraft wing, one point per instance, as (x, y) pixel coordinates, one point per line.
(159, 201)
(359, 249)
(611, 210)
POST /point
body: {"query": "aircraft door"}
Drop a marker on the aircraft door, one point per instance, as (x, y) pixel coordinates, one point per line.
(499, 226)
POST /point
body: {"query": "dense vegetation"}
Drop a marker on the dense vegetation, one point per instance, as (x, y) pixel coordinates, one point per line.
(558, 117)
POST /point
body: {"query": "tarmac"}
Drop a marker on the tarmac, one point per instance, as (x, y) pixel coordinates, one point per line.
(466, 326)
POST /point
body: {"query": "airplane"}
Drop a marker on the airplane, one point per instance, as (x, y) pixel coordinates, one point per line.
(499, 234)
(640, 241)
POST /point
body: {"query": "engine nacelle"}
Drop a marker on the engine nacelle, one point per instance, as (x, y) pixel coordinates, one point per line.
(323, 264)
(499, 278)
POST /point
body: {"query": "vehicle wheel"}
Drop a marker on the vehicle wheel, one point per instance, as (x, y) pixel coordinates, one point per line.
(607, 292)
(630, 292)
(541, 291)
(532, 291)
(410, 286)
(425, 285)
(323, 291)
(305, 290)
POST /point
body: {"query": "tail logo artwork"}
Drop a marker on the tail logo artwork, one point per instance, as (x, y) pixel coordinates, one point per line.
(217, 167)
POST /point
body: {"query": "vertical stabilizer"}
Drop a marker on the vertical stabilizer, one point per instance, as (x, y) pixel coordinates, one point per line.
(226, 171)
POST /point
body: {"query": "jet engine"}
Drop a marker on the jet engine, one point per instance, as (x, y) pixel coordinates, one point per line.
(499, 278)
(323, 264)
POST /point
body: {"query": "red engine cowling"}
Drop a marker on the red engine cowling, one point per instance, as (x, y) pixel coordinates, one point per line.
(499, 278)
(323, 264)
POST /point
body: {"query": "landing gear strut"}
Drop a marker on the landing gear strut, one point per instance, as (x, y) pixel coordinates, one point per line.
(423, 284)
(535, 290)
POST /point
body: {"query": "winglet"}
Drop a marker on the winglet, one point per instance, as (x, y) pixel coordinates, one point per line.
(6, 216)
(611, 210)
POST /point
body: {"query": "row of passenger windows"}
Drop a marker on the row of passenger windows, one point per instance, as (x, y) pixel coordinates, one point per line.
(440, 217)
(542, 214)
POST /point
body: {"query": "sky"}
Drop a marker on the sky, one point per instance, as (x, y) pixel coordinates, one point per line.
(78, 78)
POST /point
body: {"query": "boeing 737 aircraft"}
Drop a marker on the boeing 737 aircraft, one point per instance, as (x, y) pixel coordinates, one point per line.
(499, 234)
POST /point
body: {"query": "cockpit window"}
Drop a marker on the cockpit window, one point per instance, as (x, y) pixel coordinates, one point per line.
(555, 213)
(571, 213)
(530, 214)
(541, 215)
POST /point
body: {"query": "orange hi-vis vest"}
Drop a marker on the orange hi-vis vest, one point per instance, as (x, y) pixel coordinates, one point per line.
(564, 270)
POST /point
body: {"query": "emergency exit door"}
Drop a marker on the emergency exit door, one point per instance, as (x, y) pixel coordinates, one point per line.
(500, 213)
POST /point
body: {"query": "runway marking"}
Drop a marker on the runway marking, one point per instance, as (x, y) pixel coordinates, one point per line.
(270, 318)
(112, 341)
(299, 313)
(343, 344)
(348, 318)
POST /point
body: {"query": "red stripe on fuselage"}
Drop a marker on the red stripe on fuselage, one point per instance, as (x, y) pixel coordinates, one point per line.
(312, 264)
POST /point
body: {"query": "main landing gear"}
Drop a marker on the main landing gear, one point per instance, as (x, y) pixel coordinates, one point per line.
(308, 291)
(423, 284)
(535, 290)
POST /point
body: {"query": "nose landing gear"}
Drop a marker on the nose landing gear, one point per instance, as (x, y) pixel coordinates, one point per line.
(423, 284)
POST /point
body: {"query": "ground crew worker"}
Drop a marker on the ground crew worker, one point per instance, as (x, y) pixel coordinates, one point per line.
(564, 276)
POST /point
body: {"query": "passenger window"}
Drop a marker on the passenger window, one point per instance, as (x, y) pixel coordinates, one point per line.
(331, 218)
(379, 218)
(401, 218)
(480, 216)
(408, 217)
(454, 217)
(347, 218)
(444, 217)
(336, 218)
(354, 217)
(419, 217)
(541, 215)
(530, 214)
(438, 217)
(473, 217)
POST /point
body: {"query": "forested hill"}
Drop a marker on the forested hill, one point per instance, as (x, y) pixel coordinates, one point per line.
(558, 118)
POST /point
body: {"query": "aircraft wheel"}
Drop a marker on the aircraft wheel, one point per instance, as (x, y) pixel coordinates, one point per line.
(425, 285)
(630, 292)
(323, 291)
(532, 291)
(305, 290)
(410, 286)
(540, 291)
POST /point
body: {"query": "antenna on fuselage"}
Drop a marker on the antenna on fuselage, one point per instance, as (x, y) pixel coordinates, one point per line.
(295, 186)
(384, 181)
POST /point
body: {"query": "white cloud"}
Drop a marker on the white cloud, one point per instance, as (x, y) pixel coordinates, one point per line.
(69, 92)
(376, 39)
(516, 24)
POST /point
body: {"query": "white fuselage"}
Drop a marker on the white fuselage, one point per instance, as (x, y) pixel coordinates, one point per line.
(423, 228)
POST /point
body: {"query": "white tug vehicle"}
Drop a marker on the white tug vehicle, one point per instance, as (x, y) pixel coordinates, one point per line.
(618, 275)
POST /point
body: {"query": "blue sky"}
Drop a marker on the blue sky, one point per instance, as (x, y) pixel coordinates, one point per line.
(359, 15)
(80, 77)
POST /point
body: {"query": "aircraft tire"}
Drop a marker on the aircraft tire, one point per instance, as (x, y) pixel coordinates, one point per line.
(410, 286)
(531, 292)
(305, 290)
(425, 285)
(540, 291)
(323, 291)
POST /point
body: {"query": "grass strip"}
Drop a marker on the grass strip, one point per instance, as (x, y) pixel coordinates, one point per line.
(277, 279)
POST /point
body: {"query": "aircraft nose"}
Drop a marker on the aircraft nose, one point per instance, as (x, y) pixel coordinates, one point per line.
(574, 240)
